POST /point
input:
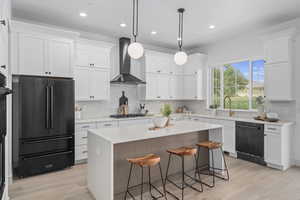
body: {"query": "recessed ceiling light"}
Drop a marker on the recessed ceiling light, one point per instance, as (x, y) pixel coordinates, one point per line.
(83, 14)
(212, 26)
(153, 32)
(123, 25)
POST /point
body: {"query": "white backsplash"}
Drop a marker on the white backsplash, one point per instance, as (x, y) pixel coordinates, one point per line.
(96, 109)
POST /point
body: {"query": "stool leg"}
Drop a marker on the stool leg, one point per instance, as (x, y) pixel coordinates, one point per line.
(183, 181)
(131, 166)
(213, 166)
(197, 171)
(226, 168)
(150, 188)
(168, 166)
(162, 180)
(142, 182)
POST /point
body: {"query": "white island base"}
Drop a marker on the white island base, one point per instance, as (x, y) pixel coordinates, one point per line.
(108, 149)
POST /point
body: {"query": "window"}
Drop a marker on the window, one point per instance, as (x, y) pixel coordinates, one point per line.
(242, 81)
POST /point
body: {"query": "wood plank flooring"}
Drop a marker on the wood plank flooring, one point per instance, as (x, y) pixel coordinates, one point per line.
(248, 182)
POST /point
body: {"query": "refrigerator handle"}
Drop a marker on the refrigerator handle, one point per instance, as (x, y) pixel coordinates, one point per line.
(51, 106)
(47, 108)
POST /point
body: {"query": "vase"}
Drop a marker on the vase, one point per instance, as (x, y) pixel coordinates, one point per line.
(168, 122)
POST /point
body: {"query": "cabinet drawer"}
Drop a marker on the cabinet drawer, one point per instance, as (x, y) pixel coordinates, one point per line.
(81, 152)
(80, 138)
(107, 124)
(273, 129)
(84, 127)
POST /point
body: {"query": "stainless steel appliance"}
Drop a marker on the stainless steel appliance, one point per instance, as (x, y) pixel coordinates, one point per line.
(3, 120)
(250, 142)
(43, 124)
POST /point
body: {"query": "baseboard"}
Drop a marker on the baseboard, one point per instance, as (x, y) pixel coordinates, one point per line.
(296, 163)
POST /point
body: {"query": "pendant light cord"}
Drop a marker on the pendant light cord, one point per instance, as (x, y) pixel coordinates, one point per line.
(180, 32)
(135, 20)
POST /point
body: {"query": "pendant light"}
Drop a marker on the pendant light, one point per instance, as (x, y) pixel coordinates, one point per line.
(180, 57)
(135, 49)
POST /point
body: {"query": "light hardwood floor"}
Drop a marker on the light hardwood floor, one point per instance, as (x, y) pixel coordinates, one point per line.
(248, 182)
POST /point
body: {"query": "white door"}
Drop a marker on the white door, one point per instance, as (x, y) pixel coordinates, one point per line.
(32, 55)
(151, 86)
(163, 86)
(273, 148)
(82, 82)
(229, 139)
(99, 84)
(60, 58)
(176, 87)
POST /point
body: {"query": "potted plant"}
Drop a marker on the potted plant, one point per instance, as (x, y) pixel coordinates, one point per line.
(166, 111)
(260, 102)
(214, 108)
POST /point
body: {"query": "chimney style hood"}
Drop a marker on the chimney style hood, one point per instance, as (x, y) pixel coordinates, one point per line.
(125, 77)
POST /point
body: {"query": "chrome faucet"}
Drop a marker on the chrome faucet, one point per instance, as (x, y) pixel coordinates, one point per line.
(231, 113)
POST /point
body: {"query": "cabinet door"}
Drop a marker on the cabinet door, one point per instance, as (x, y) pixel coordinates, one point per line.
(176, 87)
(190, 87)
(60, 58)
(82, 57)
(163, 86)
(194, 63)
(229, 139)
(99, 84)
(278, 82)
(151, 86)
(99, 57)
(277, 50)
(3, 46)
(158, 62)
(273, 148)
(82, 79)
(32, 55)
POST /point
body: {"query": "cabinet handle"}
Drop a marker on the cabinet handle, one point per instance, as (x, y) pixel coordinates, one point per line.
(84, 137)
(46, 72)
(3, 66)
(107, 124)
(49, 72)
(85, 126)
(84, 151)
(158, 71)
(158, 96)
(92, 65)
(3, 22)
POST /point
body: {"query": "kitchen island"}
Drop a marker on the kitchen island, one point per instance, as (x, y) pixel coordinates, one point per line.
(108, 149)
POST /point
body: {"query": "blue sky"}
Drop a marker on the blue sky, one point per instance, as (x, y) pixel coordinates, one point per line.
(258, 72)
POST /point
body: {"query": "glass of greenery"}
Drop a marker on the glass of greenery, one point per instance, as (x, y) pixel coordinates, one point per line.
(166, 111)
(214, 108)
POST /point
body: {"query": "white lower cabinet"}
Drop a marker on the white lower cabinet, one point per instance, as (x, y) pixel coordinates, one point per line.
(273, 155)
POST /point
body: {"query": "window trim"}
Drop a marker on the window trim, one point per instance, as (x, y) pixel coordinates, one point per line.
(221, 67)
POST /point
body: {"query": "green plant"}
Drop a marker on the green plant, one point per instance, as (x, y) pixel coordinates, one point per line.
(214, 106)
(166, 110)
(260, 101)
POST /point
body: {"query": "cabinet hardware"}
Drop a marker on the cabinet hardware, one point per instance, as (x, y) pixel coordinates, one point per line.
(3, 66)
(92, 65)
(49, 72)
(158, 71)
(272, 129)
(84, 151)
(107, 124)
(84, 137)
(3, 22)
(86, 126)
(158, 96)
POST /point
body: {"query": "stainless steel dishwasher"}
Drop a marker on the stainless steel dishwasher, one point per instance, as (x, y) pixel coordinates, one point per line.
(250, 142)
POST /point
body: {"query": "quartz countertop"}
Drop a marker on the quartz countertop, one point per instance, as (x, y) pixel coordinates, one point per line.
(142, 132)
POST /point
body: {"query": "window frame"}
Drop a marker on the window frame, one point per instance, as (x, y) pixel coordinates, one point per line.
(220, 66)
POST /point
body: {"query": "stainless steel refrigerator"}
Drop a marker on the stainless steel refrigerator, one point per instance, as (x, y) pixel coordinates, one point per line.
(43, 124)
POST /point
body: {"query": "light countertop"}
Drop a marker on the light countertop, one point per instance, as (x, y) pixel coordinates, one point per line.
(142, 132)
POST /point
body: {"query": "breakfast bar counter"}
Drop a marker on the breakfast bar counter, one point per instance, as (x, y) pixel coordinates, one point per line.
(108, 149)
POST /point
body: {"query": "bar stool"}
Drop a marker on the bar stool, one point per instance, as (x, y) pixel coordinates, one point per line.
(211, 146)
(149, 161)
(182, 152)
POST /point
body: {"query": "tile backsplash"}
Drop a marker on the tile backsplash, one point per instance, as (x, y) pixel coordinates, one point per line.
(96, 109)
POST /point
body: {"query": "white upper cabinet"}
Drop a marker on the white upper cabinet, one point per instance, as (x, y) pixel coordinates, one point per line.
(92, 71)
(279, 67)
(4, 15)
(31, 55)
(41, 51)
(157, 62)
(195, 62)
(278, 50)
(60, 58)
(93, 56)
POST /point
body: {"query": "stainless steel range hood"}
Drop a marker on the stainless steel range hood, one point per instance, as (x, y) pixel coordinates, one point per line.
(125, 77)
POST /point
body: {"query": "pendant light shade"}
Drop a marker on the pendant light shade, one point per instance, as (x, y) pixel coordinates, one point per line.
(180, 57)
(135, 49)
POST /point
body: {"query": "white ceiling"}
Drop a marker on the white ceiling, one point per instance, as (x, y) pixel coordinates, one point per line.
(231, 17)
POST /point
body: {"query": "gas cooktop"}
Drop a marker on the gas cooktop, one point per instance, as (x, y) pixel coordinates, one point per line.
(127, 116)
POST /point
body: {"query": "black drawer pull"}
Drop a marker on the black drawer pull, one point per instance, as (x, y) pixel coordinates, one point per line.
(85, 137)
(3, 66)
(41, 141)
(48, 155)
(3, 22)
